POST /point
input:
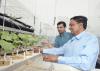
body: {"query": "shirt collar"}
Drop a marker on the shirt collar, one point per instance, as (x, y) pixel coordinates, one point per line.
(62, 34)
(80, 35)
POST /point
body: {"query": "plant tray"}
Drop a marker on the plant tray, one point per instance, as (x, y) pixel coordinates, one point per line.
(16, 57)
(4, 63)
(29, 53)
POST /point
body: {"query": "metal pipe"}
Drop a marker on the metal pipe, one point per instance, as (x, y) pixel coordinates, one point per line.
(4, 16)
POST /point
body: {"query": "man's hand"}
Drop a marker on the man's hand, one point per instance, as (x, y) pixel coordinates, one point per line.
(50, 58)
(37, 49)
(47, 43)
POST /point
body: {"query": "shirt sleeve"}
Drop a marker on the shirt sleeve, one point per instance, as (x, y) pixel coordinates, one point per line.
(54, 51)
(87, 57)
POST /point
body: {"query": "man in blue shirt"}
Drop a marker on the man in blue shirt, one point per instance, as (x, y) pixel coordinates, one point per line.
(81, 52)
(63, 36)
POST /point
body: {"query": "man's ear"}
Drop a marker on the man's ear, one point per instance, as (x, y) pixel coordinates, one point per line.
(81, 25)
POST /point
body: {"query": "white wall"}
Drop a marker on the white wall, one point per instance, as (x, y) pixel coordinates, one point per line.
(94, 17)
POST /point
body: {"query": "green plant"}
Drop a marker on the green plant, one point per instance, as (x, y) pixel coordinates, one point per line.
(28, 40)
(11, 40)
(8, 47)
(14, 36)
(6, 36)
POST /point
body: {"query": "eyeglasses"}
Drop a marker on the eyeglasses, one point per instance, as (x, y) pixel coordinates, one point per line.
(71, 24)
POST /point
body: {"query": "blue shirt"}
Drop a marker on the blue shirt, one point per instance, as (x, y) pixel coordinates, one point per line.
(80, 52)
(62, 39)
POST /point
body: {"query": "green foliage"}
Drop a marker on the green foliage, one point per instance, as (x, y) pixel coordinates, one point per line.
(17, 42)
(8, 47)
(28, 40)
(14, 36)
(9, 41)
(6, 36)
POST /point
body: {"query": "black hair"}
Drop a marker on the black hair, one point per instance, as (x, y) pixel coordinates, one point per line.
(81, 19)
(61, 22)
